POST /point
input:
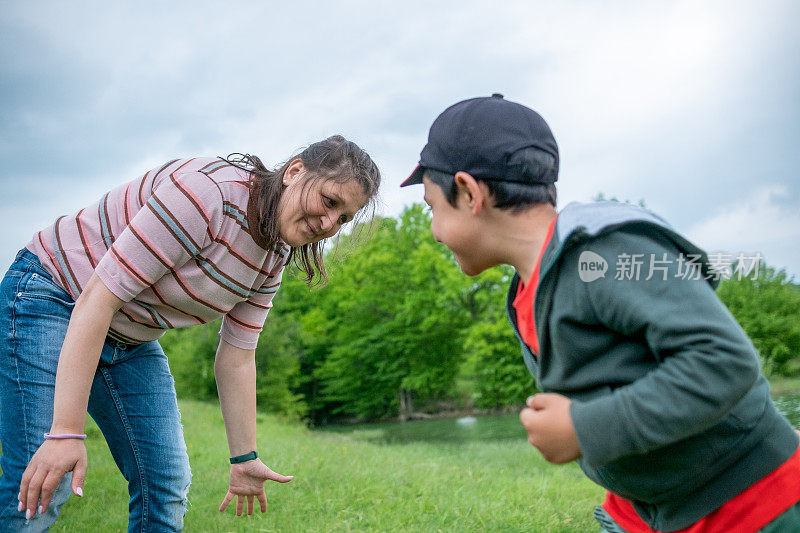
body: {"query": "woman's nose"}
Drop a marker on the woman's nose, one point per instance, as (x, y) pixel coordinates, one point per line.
(328, 221)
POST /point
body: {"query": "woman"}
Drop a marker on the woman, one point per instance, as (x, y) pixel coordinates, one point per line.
(85, 301)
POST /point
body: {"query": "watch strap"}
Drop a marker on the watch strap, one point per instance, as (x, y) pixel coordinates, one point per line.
(242, 458)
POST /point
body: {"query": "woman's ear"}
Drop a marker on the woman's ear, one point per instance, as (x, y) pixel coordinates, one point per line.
(295, 169)
(474, 193)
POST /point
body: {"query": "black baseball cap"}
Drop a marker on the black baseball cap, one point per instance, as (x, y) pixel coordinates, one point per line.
(480, 135)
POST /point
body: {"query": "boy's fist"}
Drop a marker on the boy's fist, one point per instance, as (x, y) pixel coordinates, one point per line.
(549, 426)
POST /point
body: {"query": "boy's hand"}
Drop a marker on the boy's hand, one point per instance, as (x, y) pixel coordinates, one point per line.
(549, 426)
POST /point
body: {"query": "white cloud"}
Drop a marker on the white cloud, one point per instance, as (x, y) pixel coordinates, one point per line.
(764, 223)
(664, 102)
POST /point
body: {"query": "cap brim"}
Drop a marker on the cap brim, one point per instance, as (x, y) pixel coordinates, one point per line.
(415, 177)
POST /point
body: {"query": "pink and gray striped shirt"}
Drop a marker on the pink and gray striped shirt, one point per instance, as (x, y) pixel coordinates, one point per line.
(179, 246)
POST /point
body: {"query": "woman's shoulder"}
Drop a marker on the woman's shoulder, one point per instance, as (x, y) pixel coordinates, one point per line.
(232, 180)
(213, 173)
(217, 167)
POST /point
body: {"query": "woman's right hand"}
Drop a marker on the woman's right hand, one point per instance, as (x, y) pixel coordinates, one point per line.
(53, 459)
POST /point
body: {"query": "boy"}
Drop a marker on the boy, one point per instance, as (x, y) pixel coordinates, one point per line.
(647, 380)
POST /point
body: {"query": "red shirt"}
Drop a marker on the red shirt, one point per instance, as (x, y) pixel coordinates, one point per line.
(748, 512)
(526, 294)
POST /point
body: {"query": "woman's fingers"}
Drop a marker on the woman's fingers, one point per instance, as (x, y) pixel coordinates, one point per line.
(24, 484)
(247, 481)
(34, 489)
(274, 476)
(226, 501)
(44, 472)
(262, 499)
(79, 475)
(49, 486)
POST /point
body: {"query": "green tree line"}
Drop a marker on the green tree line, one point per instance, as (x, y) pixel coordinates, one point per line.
(399, 331)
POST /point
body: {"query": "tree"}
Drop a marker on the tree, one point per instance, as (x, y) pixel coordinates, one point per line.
(493, 359)
(190, 352)
(601, 197)
(393, 321)
(768, 309)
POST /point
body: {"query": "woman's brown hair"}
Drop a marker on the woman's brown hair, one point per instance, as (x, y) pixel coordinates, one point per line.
(336, 159)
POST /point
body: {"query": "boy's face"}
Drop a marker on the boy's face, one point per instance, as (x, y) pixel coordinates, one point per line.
(456, 228)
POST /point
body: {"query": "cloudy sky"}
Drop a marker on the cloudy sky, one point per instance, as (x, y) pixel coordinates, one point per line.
(691, 106)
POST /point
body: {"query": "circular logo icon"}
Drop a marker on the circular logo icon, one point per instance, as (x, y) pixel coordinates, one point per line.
(591, 266)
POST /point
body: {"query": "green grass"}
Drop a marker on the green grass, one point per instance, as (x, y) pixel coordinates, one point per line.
(345, 484)
(784, 385)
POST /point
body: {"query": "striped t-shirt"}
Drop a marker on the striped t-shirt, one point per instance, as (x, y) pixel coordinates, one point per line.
(179, 245)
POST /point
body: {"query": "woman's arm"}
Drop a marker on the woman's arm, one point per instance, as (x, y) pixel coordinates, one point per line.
(235, 370)
(77, 363)
(80, 353)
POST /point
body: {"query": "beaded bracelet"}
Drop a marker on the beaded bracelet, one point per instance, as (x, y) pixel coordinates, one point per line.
(65, 436)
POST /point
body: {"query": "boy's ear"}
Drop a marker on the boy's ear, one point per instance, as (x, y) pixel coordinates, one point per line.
(474, 193)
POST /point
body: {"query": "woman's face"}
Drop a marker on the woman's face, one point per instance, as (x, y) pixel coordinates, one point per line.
(310, 211)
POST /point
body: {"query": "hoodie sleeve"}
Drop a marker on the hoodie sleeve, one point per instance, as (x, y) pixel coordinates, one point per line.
(705, 361)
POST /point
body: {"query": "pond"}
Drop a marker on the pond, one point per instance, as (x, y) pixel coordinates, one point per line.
(789, 405)
(483, 428)
(442, 430)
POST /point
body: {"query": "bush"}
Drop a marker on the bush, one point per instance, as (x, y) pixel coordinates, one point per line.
(768, 309)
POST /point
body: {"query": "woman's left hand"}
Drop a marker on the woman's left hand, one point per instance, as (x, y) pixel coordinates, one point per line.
(247, 481)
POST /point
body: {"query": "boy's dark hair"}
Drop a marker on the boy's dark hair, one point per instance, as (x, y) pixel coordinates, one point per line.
(515, 196)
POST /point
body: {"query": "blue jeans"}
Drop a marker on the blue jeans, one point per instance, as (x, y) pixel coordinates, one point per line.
(132, 400)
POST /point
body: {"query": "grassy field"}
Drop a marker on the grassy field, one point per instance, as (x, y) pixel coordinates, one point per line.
(784, 385)
(345, 484)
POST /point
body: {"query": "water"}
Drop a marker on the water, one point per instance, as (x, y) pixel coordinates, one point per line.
(789, 405)
(456, 431)
(442, 431)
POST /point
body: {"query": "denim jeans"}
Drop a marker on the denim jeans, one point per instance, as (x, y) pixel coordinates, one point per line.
(132, 400)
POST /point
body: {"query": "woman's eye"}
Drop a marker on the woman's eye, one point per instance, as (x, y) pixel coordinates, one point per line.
(343, 219)
(329, 202)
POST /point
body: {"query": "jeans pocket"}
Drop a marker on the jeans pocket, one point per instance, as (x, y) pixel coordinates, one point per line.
(39, 285)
